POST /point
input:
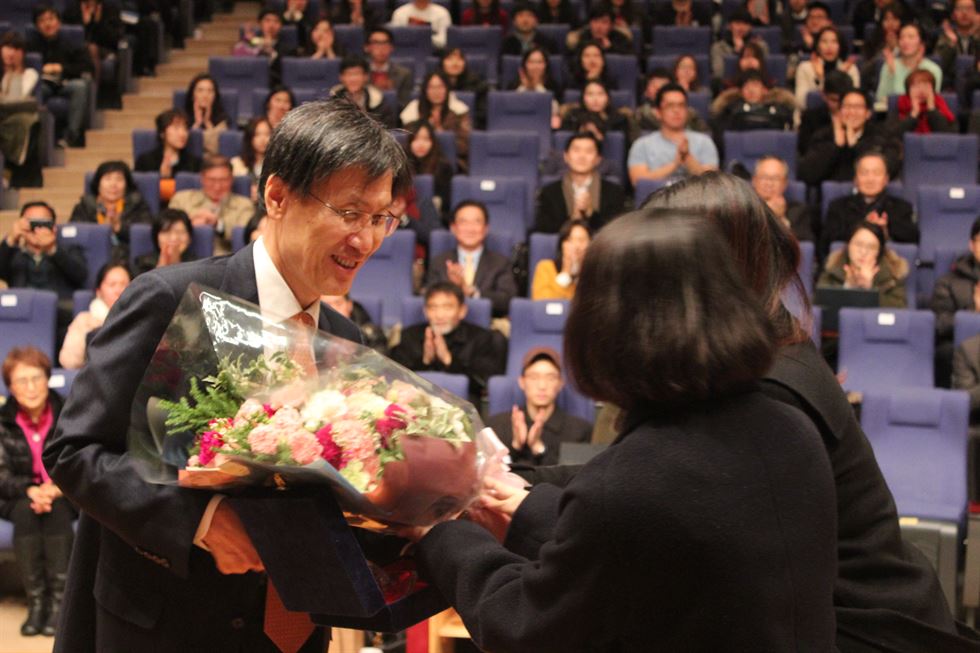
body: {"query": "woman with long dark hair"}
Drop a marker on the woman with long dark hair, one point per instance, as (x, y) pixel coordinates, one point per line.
(255, 141)
(534, 75)
(649, 544)
(829, 53)
(590, 64)
(426, 158)
(439, 107)
(203, 105)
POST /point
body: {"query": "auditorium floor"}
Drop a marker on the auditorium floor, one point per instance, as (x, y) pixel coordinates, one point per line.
(12, 612)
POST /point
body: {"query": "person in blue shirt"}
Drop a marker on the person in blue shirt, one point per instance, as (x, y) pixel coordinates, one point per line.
(673, 151)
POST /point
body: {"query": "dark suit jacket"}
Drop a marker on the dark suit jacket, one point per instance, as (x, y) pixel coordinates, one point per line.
(650, 543)
(954, 292)
(560, 427)
(825, 161)
(513, 45)
(64, 272)
(552, 212)
(137, 582)
(800, 219)
(150, 161)
(494, 278)
(845, 213)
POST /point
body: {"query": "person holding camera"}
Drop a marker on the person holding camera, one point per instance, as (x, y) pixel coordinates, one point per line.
(31, 257)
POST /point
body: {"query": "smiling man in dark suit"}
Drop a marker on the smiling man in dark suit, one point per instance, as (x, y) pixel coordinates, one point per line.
(166, 568)
(478, 271)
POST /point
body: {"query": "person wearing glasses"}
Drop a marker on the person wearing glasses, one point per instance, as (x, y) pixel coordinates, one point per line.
(42, 518)
(164, 567)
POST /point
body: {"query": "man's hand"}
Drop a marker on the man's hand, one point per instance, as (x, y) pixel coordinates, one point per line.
(949, 32)
(229, 543)
(19, 231)
(518, 428)
(840, 135)
(454, 272)
(778, 205)
(880, 219)
(889, 59)
(428, 346)
(204, 217)
(441, 349)
(583, 205)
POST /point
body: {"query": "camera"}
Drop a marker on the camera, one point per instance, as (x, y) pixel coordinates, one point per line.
(41, 224)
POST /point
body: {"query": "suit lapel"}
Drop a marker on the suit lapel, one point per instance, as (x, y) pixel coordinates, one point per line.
(240, 276)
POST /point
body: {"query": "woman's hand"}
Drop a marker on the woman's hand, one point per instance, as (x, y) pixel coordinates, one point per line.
(494, 509)
(40, 500)
(860, 276)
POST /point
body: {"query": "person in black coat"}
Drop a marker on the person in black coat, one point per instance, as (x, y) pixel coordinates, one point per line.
(648, 543)
(871, 202)
(42, 518)
(445, 343)
(581, 193)
(140, 577)
(957, 289)
(833, 150)
(835, 85)
(492, 274)
(63, 71)
(535, 431)
(171, 154)
(524, 34)
(113, 199)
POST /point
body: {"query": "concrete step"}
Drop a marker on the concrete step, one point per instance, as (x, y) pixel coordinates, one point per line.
(64, 179)
(89, 160)
(146, 103)
(127, 122)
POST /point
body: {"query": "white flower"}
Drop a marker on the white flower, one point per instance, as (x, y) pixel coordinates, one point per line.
(366, 402)
(325, 406)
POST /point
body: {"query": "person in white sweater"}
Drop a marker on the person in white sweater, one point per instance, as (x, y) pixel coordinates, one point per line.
(110, 283)
(17, 92)
(829, 53)
(425, 12)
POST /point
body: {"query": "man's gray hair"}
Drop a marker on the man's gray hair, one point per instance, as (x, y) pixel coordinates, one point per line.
(317, 139)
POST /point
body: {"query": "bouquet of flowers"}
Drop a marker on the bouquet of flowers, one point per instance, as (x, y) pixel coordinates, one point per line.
(227, 405)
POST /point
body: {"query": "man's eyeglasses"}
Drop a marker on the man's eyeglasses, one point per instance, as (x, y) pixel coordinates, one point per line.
(356, 220)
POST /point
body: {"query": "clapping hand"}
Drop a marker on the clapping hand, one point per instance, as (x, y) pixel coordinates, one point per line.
(880, 219)
(522, 435)
(860, 276)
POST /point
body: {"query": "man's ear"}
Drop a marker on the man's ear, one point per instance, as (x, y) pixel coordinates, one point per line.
(276, 197)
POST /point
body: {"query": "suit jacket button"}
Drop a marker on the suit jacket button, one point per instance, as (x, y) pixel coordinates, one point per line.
(237, 623)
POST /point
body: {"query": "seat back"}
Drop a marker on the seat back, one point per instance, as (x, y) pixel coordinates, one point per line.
(678, 40)
(145, 140)
(945, 159)
(457, 384)
(749, 146)
(534, 324)
(241, 74)
(95, 241)
(504, 154)
(442, 240)
(946, 214)
(882, 348)
(318, 74)
(515, 111)
(412, 41)
(541, 247)
(28, 317)
(506, 199)
(476, 39)
(388, 275)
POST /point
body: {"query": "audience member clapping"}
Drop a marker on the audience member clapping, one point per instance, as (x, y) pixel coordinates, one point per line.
(872, 203)
(922, 110)
(885, 37)
(385, 74)
(103, 31)
(835, 85)
(685, 73)
(911, 56)
(817, 18)
(535, 431)
(444, 111)
(674, 150)
(295, 15)
(171, 154)
(355, 86)
(600, 30)
(534, 75)
(581, 193)
(866, 263)
(770, 179)
(112, 280)
(960, 36)
(594, 114)
(476, 270)
(204, 108)
(557, 278)
(113, 199)
(445, 343)
(323, 42)
(829, 53)
(173, 235)
(264, 40)
(589, 64)
(833, 150)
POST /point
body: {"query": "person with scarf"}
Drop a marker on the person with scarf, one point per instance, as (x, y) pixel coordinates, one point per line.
(921, 110)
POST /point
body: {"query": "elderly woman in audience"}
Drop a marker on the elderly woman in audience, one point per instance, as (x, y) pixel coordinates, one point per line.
(440, 107)
(922, 110)
(558, 278)
(534, 75)
(173, 235)
(684, 356)
(829, 53)
(866, 263)
(19, 125)
(171, 154)
(42, 517)
(323, 42)
(278, 103)
(590, 64)
(255, 141)
(207, 113)
(112, 280)
(113, 199)
(426, 158)
(595, 114)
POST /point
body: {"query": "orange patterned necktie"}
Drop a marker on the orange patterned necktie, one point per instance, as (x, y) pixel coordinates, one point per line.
(290, 630)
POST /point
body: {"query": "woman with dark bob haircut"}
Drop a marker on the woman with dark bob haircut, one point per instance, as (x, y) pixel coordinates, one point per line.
(649, 542)
(113, 199)
(886, 595)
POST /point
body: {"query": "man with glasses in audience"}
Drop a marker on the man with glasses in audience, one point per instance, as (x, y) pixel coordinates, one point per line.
(386, 75)
(160, 567)
(213, 204)
(674, 151)
(770, 180)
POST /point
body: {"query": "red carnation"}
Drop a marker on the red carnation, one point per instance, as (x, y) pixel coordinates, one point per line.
(331, 452)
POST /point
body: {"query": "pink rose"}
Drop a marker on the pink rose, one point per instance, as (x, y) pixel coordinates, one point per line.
(248, 409)
(403, 393)
(304, 447)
